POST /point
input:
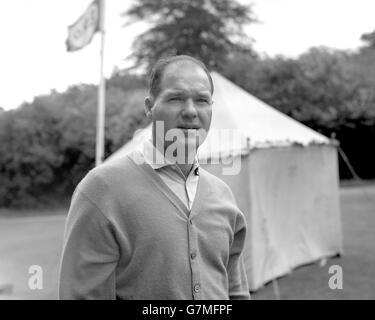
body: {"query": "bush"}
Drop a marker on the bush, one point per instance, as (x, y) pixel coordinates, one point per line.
(48, 146)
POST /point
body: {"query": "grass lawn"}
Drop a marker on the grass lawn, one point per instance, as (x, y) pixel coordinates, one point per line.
(28, 240)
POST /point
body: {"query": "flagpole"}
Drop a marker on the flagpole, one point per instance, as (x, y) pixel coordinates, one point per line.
(100, 124)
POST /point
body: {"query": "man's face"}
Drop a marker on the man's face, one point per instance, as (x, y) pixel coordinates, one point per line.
(184, 101)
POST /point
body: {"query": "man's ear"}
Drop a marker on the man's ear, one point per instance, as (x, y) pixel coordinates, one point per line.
(148, 107)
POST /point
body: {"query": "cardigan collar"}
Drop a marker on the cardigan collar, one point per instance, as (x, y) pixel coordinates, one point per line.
(157, 160)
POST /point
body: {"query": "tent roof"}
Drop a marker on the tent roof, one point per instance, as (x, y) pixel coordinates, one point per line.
(257, 120)
(256, 124)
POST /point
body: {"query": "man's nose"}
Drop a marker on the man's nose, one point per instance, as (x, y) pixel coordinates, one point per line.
(189, 110)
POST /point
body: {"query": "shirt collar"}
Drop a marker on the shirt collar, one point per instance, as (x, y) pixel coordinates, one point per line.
(160, 161)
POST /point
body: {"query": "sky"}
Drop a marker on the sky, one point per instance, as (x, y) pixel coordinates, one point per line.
(34, 60)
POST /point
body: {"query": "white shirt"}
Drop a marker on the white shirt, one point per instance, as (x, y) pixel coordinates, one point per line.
(184, 187)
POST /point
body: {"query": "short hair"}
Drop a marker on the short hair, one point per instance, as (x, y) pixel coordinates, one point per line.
(159, 68)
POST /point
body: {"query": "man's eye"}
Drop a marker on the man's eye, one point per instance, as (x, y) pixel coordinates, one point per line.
(175, 99)
(203, 100)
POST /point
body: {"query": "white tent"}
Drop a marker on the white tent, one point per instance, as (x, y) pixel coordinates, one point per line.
(284, 177)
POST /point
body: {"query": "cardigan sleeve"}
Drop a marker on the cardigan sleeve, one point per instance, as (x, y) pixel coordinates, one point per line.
(238, 285)
(90, 253)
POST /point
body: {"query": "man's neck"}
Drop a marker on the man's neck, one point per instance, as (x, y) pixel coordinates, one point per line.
(186, 166)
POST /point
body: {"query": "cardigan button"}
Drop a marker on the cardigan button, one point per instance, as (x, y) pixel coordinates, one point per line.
(193, 256)
(197, 288)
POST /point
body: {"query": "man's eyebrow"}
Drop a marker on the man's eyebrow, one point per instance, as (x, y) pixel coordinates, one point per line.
(182, 91)
(174, 91)
(204, 94)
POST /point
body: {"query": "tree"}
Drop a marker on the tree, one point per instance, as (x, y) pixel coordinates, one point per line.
(48, 145)
(369, 39)
(206, 29)
(320, 83)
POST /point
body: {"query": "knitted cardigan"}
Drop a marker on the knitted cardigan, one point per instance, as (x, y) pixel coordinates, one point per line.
(128, 236)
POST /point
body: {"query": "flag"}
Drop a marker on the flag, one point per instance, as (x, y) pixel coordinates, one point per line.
(81, 32)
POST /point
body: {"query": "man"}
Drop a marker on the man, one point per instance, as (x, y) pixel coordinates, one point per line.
(154, 225)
